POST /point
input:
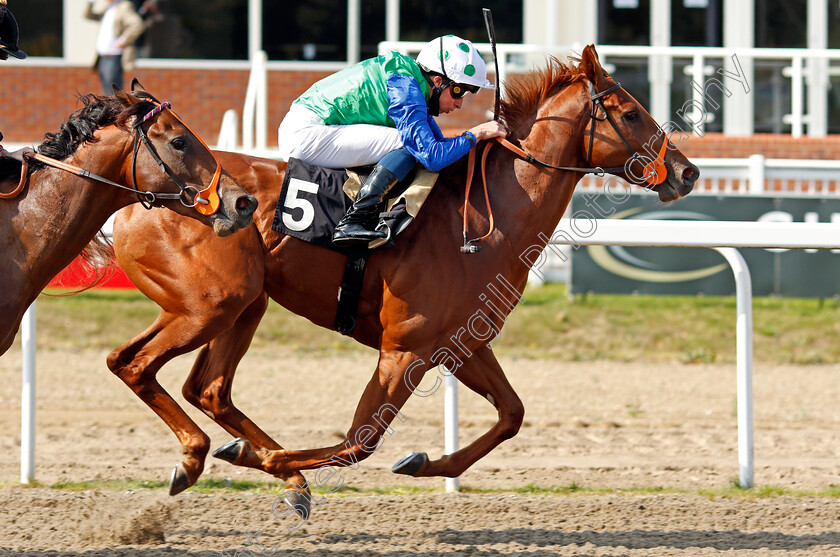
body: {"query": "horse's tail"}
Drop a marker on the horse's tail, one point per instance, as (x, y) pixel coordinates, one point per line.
(97, 263)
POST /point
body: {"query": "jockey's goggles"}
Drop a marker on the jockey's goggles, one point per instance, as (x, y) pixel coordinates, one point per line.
(458, 90)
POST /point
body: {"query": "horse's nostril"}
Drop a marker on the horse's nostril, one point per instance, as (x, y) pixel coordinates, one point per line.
(689, 175)
(246, 204)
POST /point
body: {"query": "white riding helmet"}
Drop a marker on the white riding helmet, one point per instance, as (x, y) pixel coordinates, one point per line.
(455, 58)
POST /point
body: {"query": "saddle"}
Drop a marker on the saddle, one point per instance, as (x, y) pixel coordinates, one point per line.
(314, 199)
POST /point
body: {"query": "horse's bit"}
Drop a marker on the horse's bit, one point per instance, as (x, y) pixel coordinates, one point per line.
(655, 168)
(206, 204)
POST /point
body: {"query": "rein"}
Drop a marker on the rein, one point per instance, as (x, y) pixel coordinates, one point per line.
(23, 173)
(655, 168)
(189, 196)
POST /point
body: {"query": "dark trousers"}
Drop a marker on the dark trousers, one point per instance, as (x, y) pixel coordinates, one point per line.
(110, 72)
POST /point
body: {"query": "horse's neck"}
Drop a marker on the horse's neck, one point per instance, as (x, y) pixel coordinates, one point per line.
(546, 194)
(58, 216)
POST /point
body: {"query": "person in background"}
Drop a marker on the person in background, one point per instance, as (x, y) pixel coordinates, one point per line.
(115, 51)
(382, 111)
(9, 35)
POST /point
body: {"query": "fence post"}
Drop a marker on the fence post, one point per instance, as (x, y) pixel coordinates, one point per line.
(450, 418)
(229, 132)
(796, 118)
(27, 399)
(254, 111)
(744, 357)
(756, 174)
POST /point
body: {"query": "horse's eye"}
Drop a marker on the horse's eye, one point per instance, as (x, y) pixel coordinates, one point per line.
(631, 116)
(179, 143)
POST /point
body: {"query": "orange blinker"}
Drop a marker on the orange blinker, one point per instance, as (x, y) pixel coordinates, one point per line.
(655, 169)
(210, 194)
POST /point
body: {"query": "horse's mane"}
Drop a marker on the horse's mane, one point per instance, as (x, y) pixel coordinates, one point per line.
(97, 112)
(526, 92)
(98, 259)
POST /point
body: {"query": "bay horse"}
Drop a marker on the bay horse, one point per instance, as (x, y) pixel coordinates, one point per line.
(53, 212)
(423, 303)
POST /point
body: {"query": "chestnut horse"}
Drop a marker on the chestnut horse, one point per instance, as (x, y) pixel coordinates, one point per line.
(51, 214)
(422, 304)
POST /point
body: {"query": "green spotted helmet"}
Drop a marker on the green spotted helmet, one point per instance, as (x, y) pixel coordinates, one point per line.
(456, 59)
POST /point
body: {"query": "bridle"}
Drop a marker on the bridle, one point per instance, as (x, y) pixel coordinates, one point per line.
(206, 201)
(654, 170)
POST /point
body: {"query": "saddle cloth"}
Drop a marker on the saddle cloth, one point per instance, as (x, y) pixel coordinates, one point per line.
(314, 199)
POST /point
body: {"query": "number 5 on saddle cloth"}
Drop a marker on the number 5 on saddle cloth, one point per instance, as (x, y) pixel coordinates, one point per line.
(314, 199)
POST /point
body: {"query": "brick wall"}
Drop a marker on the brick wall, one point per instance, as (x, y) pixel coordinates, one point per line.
(38, 99)
(772, 146)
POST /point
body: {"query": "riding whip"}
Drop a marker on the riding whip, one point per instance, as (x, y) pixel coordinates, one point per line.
(491, 32)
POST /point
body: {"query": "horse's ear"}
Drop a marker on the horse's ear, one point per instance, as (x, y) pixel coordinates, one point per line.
(123, 97)
(591, 66)
(136, 86)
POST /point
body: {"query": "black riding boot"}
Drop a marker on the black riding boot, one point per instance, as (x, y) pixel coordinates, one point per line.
(354, 227)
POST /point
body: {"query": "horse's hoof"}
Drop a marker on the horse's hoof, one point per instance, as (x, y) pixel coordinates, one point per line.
(231, 450)
(298, 501)
(411, 464)
(179, 481)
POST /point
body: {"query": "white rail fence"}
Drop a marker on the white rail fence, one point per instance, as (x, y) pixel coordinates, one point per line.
(809, 71)
(753, 175)
(254, 115)
(757, 175)
(724, 237)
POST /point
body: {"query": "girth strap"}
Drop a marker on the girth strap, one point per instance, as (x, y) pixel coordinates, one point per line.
(350, 292)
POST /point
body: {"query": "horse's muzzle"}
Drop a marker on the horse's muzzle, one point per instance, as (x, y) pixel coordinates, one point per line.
(246, 205)
(680, 182)
(689, 176)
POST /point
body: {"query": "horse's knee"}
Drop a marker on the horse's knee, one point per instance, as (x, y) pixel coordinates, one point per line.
(214, 400)
(135, 374)
(114, 360)
(511, 419)
(121, 357)
(191, 394)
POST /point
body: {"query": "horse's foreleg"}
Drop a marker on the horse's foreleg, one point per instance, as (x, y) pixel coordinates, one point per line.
(12, 307)
(209, 385)
(137, 362)
(483, 374)
(381, 401)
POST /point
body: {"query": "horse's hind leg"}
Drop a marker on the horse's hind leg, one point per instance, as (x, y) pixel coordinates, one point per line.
(209, 384)
(381, 401)
(483, 374)
(137, 362)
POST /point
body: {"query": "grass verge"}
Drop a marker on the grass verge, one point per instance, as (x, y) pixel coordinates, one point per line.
(547, 325)
(248, 487)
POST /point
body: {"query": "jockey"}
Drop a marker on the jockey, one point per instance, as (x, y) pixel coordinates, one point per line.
(9, 47)
(381, 111)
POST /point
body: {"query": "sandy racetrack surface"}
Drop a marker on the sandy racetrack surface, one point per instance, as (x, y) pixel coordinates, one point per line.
(594, 425)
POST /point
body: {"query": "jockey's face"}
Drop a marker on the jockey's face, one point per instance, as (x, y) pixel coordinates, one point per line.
(447, 102)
